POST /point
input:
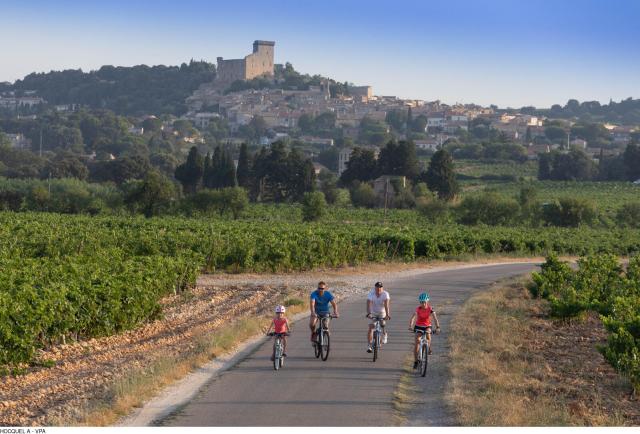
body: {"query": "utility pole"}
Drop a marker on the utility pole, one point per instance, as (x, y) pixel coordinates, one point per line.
(386, 191)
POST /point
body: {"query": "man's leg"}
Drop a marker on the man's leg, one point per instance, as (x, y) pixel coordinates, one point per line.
(369, 338)
(312, 326)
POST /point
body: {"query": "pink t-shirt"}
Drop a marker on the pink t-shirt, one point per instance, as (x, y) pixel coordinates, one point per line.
(280, 325)
(423, 316)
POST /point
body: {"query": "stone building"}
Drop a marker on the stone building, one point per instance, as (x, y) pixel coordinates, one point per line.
(257, 64)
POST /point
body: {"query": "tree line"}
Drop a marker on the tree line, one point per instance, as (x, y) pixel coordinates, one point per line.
(576, 165)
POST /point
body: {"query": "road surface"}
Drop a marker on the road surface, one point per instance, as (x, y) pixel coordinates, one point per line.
(348, 389)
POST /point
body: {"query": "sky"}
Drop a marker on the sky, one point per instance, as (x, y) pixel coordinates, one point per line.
(504, 52)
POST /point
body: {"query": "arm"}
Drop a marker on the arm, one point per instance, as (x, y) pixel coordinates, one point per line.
(312, 306)
(287, 325)
(386, 308)
(270, 327)
(435, 317)
(368, 307)
(412, 321)
(335, 308)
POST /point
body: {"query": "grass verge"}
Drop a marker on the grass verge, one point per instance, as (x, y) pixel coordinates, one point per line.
(407, 394)
(506, 373)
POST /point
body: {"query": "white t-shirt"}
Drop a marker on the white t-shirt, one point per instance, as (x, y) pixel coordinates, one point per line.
(377, 302)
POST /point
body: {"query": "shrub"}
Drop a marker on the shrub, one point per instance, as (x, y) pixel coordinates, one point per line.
(313, 206)
(435, 211)
(489, 208)
(629, 215)
(342, 199)
(363, 195)
(569, 212)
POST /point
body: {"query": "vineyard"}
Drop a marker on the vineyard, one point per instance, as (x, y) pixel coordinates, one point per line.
(64, 276)
(601, 285)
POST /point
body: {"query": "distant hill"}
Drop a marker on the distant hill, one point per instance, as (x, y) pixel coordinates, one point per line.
(135, 90)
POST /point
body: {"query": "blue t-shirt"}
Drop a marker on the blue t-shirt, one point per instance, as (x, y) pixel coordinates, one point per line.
(322, 303)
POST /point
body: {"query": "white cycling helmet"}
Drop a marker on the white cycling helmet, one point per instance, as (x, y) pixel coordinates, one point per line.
(280, 309)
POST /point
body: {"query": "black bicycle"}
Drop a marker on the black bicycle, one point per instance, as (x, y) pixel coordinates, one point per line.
(322, 342)
(278, 350)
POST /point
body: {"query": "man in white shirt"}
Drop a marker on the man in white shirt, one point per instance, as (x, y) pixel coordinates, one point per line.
(377, 308)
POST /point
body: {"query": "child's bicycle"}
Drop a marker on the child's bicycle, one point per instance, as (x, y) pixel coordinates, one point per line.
(423, 352)
(278, 350)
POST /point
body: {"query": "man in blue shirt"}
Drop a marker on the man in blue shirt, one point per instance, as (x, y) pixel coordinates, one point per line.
(319, 305)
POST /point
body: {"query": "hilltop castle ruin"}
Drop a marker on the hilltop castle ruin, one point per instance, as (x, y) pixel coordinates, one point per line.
(257, 64)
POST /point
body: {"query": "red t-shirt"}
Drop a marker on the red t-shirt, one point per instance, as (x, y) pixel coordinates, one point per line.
(279, 324)
(423, 316)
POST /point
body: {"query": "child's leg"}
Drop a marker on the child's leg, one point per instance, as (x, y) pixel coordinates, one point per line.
(284, 344)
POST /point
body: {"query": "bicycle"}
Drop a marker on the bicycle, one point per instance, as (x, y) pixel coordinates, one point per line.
(378, 330)
(423, 351)
(321, 345)
(278, 351)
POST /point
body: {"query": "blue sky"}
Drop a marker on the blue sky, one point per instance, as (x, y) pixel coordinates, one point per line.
(509, 53)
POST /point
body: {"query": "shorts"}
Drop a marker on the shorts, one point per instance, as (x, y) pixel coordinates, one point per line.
(375, 317)
(423, 329)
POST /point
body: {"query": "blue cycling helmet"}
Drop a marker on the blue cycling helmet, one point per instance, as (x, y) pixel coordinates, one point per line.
(423, 297)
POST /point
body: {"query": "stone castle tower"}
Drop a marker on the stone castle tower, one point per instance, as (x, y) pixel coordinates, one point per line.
(257, 64)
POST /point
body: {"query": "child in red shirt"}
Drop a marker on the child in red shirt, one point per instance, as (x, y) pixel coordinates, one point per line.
(421, 320)
(280, 325)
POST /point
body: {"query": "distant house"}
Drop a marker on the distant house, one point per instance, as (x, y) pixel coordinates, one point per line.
(387, 185)
(427, 145)
(18, 141)
(343, 159)
(136, 131)
(579, 143)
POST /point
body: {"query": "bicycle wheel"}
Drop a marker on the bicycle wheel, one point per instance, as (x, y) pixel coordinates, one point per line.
(324, 348)
(276, 357)
(376, 345)
(423, 362)
(316, 345)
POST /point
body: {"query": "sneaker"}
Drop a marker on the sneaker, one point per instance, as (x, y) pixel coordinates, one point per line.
(369, 349)
(429, 352)
(284, 354)
(384, 338)
(415, 364)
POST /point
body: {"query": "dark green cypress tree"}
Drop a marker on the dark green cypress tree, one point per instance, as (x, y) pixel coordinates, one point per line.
(190, 173)
(244, 167)
(441, 177)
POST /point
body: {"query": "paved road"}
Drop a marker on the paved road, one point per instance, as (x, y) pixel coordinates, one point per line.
(348, 389)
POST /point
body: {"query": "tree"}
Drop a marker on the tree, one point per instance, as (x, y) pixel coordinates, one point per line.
(313, 206)
(244, 167)
(399, 159)
(440, 176)
(66, 165)
(190, 173)
(152, 195)
(397, 119)
(152, 124)
(632, 161)
(362, 166)
(329, 158)
(362, 195)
